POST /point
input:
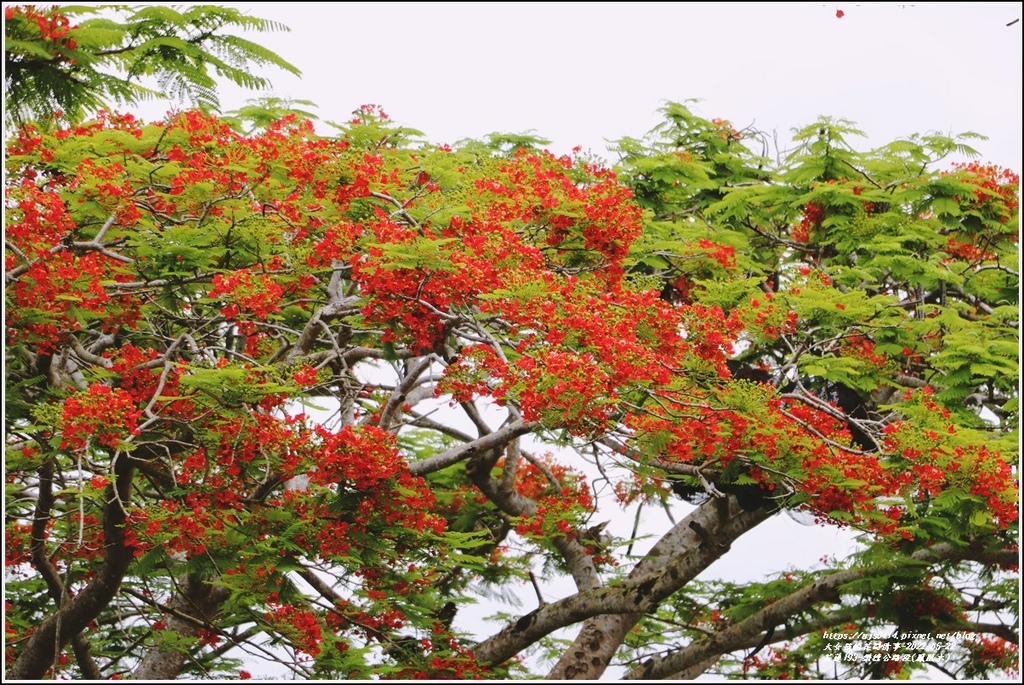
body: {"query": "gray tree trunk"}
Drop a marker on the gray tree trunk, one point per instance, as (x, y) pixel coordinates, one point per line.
(193, 608)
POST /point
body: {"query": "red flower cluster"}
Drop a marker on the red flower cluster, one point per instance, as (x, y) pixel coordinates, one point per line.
(244, 291)
(106, 414)
(52, 25)
(809, 222)
(300, 626)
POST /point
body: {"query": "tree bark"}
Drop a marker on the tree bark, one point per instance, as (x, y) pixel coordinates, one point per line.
(194, 607)
(681, 554)
(747, 630)
(72, 617)
(695, 658)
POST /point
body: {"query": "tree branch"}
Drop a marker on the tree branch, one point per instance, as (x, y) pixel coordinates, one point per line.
(454, 455)
(751, 629)
(674, 561)
(393, 408)
(193, 608)
(747, 630)
(74, 616)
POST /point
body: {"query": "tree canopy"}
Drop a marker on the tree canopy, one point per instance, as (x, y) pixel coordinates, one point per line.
(279, 401)
(55, 64)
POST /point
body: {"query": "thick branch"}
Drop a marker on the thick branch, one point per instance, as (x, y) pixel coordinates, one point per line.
(845, 615)
(393, 409)
(73, 617)
(193, 607)
(40, 523)
(997, 629)
(750, 630)
(309, 332)
(742, 633)
(601, 636)
(41, 560)
(686, 550)
(509, 500)
(496, 440)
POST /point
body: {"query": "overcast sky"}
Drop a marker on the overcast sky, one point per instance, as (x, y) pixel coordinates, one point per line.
(584, 73)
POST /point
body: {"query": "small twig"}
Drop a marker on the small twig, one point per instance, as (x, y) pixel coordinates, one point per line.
(536, 588)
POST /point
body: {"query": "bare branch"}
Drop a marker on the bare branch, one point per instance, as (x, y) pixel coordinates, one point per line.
(454, 455)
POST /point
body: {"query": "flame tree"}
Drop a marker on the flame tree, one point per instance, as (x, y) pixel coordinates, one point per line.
(302, 398)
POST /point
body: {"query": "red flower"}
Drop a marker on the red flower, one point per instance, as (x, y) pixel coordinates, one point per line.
(840, 14)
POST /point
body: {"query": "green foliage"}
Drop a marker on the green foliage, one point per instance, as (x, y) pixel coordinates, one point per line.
(860, 276)
(56, 62)
(260, 113)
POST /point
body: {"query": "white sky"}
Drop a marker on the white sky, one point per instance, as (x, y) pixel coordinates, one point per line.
(584, 73)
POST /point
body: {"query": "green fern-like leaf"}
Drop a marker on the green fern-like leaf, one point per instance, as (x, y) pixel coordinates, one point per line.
(115, 49)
